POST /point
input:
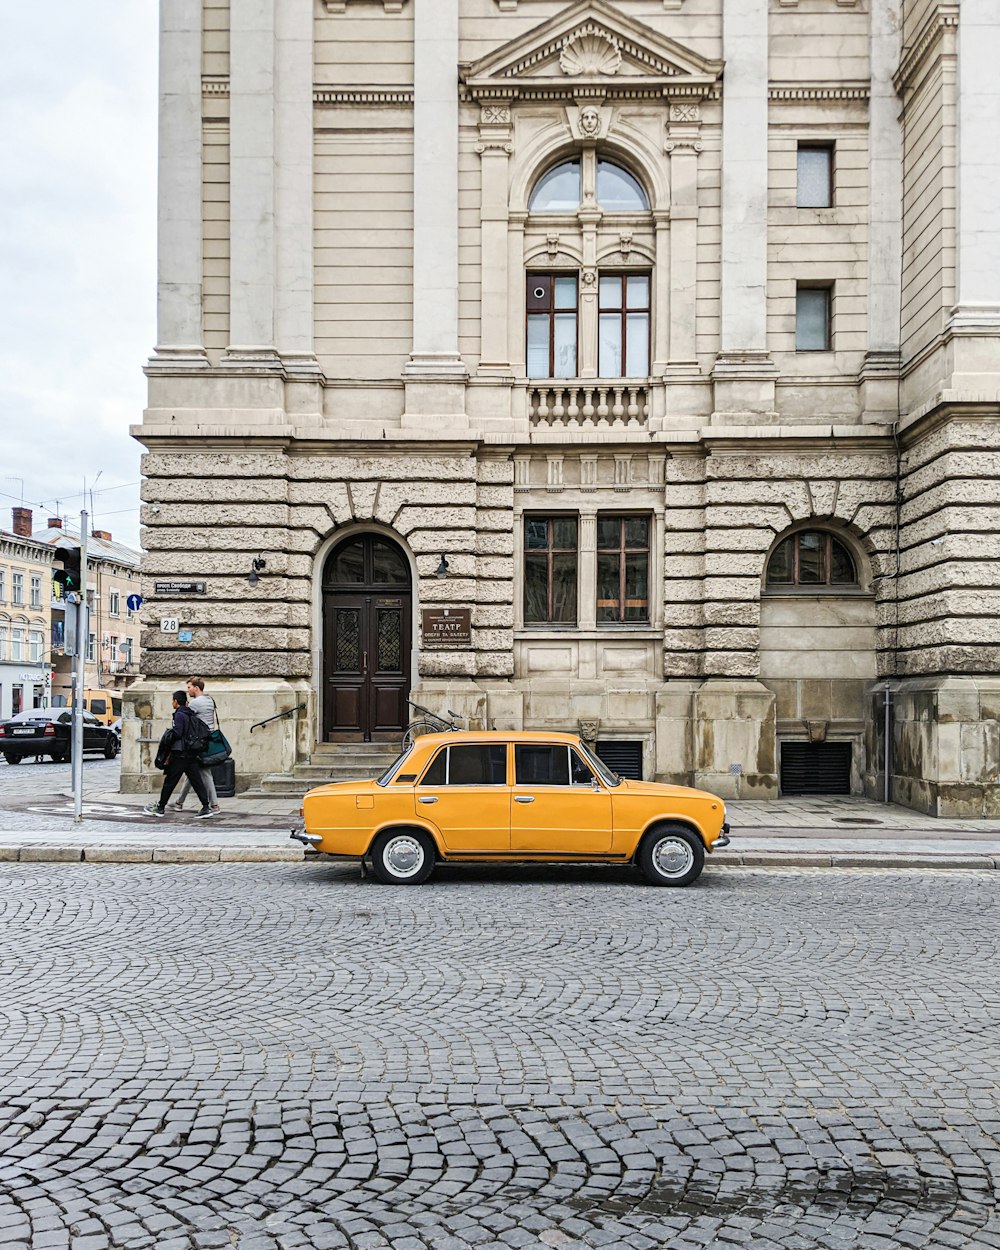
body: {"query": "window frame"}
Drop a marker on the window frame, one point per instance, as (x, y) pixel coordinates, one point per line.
(550, 550)
(829, 148)
(826, 288)
(445, 751)
(795, 585)
(623, 551)
(533, 275)
(35, 590)
(623, 314)
(114, 603)
(17, 589)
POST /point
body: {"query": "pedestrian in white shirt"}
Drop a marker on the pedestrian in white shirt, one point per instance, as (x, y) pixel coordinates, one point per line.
(203, 706)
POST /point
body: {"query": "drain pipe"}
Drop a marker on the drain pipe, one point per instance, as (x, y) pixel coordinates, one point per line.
(887, 741)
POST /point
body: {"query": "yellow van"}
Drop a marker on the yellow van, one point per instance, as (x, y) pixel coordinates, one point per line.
(106, 705)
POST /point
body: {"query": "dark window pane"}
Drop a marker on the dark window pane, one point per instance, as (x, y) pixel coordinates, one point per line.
(536, 589)
(348, 639)
(536, 534)
(636, 531)
(388, 565)
(564, 588)
(841, 565)
(435, 775)
(99, 707)
(541, 765)
(349, 563)
(779, 569)
(609, 532)
(478, 766)
(539, 292)
(558, 190)
(564, 533)
(581, 773)
(811, 559)
(636, 587)
(608, 588)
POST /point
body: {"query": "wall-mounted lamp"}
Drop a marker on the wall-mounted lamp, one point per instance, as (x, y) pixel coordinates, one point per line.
(255, 567)
(442, 568)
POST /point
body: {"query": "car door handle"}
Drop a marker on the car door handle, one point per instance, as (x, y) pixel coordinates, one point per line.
(426, 798)
(524, 798)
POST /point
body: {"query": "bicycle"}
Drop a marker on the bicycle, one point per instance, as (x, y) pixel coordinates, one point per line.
(428, 723)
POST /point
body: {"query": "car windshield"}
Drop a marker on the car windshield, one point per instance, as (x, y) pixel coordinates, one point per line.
(603, 771)
(393, 768)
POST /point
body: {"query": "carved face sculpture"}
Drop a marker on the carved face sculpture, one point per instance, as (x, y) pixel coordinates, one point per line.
(590, 121)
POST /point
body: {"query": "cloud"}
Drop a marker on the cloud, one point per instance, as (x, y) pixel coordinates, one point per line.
(77, 249)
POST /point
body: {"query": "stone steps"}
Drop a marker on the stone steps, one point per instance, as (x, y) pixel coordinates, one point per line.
(329, 761)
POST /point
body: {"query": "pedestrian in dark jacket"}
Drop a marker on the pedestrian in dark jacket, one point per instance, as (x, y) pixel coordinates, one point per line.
(181, 763)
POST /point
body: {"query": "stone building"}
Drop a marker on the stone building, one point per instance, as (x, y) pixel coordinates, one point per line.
(658, 341)
(25, 578)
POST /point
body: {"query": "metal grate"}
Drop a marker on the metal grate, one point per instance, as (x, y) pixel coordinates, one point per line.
(624, 758)
(815, 768)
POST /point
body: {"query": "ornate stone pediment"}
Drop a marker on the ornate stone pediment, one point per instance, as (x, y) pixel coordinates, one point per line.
(591, 48)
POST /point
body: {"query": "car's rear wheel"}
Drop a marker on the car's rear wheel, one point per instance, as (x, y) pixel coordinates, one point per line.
(11, 758)
(110, 747)
(671, 855)
(403, 857)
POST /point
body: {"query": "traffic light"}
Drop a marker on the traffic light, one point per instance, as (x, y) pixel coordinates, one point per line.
(63, 583)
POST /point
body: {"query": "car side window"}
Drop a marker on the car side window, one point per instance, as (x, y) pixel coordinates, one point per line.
(542, 765)
(472, 765)
(580, 772)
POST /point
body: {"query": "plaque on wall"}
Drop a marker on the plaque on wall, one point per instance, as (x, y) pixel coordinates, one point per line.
(179, 588)
(447, 627)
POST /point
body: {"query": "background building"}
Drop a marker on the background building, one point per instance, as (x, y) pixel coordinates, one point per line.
(25, 579)
(668, 331)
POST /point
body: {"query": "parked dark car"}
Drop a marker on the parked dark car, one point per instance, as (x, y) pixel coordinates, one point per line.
(47, 731)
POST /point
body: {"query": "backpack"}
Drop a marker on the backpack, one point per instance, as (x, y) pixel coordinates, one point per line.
(196, 734)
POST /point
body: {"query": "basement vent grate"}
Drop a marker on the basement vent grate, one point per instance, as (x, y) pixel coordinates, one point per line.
(815, 768)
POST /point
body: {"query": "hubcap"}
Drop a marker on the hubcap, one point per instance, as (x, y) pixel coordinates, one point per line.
(672, 857)
(404, 857)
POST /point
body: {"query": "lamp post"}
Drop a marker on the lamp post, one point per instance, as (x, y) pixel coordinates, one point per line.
(79, 684)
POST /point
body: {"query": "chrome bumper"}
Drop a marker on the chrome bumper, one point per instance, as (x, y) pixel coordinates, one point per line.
(307, 839)
(722, 840)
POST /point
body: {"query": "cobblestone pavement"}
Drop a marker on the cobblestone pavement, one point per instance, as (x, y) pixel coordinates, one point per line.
(286, 1056)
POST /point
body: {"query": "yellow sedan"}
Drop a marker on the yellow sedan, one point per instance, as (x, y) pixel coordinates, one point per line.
(495, 797)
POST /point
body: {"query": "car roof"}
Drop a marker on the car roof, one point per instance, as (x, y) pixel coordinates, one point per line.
(472, 736)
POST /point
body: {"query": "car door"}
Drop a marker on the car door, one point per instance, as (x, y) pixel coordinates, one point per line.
(464, 794)
(558, 804)
(93, 737)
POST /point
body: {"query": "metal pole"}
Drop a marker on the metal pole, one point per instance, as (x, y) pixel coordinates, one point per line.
(82, 635)
(887, 744)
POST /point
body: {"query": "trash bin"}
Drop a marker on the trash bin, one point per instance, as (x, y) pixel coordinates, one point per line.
(224, 775)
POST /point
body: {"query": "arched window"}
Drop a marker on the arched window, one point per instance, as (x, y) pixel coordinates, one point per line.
(811, 559)
(618, 191)
(558, 190)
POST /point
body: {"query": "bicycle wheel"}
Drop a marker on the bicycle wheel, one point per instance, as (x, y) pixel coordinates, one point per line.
(414, 730)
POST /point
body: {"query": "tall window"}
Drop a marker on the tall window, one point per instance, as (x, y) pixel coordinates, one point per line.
(3, 585)
(550, 557)
(114, 603)
(622, 568)
(623, 325)
(36, 591)
(91, 648)
(812, 318)
(113, 649)
(128, 653)
(35, 646)
(17, 644)
(814, 176)
(552, 325)
(811, 559)
(3, 642)
(17, 589)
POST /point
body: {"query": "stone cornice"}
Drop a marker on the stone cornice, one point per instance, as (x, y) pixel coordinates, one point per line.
(218, 88)
(818, 90)
(942, 18)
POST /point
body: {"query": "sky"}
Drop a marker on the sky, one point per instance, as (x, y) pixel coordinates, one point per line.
(77, 253)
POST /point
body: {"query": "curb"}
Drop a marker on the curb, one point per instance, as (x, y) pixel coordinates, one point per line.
(280, 854)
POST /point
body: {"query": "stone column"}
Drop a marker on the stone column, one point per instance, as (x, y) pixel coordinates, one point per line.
(179, 338)
(978, 159)
(683, 146)
(435, 191)
(252, 185)
(494, 149)
(587, 603)
(294, 186)
(880, 371)
(744, 372)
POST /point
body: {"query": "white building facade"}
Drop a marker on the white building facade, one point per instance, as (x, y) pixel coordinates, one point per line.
(658, 341)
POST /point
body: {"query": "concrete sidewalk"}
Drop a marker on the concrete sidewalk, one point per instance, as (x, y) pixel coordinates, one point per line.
(819, 833)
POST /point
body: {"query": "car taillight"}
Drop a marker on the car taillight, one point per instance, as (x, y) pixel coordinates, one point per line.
(2, 731)
(49, 730)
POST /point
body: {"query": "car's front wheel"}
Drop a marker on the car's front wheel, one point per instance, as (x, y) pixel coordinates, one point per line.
(11, 758)
(671, 855)
(403, 857)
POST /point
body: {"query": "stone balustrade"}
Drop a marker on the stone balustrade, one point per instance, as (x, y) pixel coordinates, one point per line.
(589, 404)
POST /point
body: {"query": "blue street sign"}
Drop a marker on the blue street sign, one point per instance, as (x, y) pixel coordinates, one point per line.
(134, 603)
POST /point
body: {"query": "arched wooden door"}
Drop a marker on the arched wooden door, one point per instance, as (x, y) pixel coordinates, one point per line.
(366, 639)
